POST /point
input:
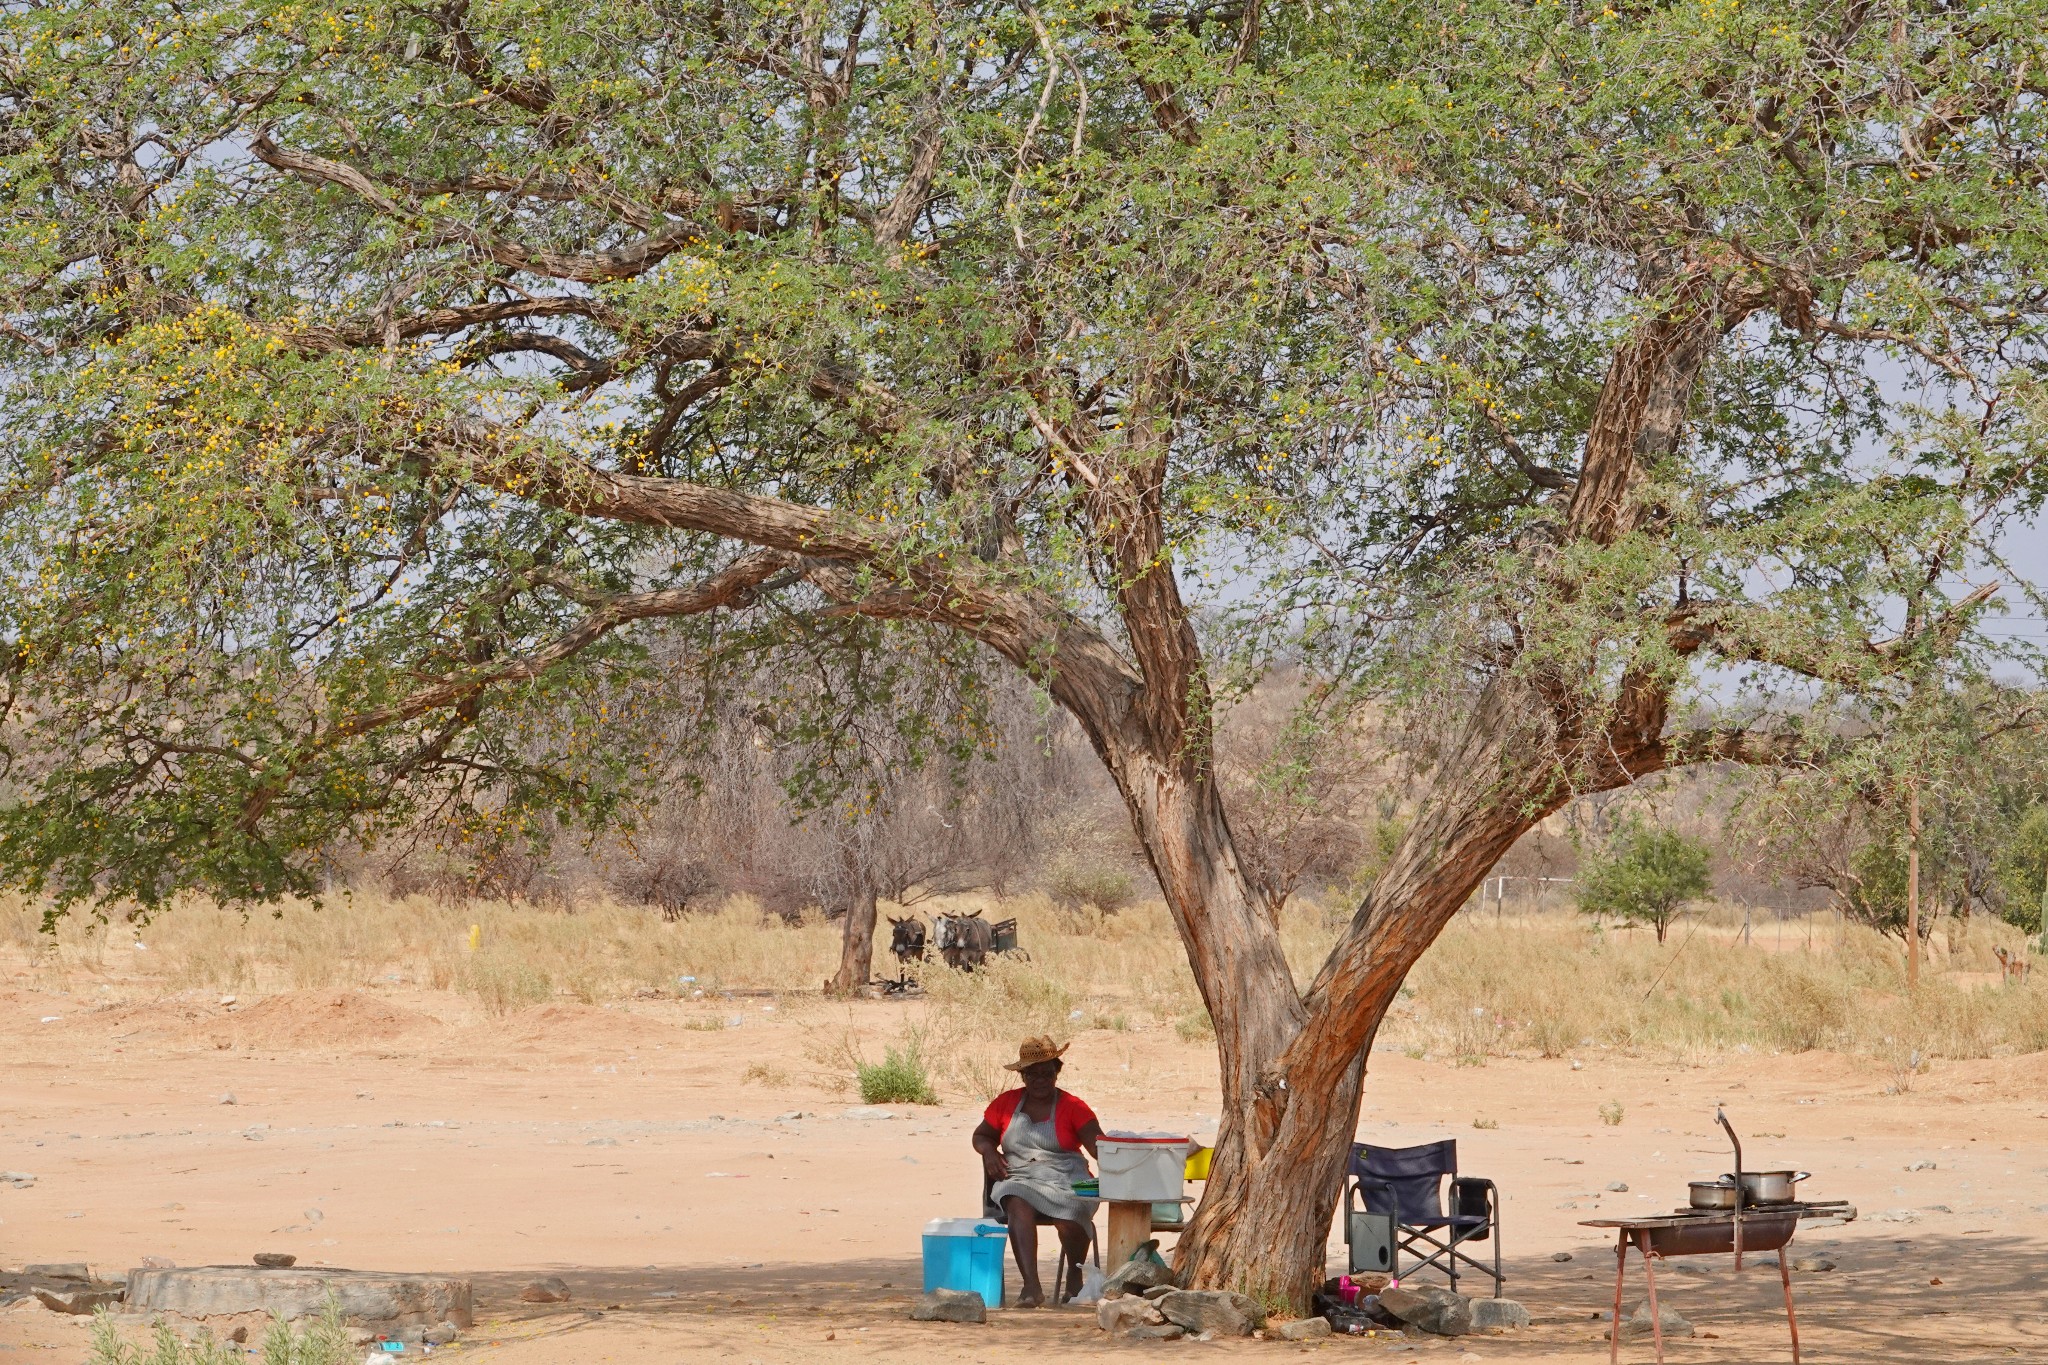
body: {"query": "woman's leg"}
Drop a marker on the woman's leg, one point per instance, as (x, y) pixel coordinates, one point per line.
(1074, 1240)
(1024, 1246)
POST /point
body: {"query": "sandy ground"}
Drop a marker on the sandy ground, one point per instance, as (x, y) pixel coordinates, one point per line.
(618, 1148)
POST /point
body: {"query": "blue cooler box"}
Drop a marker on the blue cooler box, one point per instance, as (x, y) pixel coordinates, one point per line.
(965, 1254)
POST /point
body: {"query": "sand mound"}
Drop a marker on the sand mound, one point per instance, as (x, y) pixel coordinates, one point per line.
(318, 1019)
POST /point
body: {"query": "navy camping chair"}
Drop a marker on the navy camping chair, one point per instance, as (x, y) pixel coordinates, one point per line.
(1406, 1185)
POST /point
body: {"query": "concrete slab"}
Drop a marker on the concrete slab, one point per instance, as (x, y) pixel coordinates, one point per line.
(373, 1298)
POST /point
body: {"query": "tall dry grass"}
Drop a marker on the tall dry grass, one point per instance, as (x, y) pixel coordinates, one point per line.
(1546, 984)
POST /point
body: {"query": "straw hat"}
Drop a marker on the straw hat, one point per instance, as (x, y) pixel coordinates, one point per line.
(1032, 1051)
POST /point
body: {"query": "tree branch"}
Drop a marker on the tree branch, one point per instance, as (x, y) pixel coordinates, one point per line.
(733, 586)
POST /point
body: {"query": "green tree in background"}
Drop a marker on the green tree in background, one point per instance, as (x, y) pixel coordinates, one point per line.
(1644, 875)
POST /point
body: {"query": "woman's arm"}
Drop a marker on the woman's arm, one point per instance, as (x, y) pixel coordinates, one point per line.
(1090, 1131)
(989, 1143)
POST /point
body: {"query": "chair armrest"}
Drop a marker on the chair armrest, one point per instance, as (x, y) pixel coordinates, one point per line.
(1391, 1206)
(1463, 1186)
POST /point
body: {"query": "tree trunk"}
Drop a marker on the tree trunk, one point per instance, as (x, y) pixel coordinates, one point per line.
(1292, 1068)
(857, 943)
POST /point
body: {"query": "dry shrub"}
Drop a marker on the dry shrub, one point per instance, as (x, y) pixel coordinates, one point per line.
(1004, 1001)
(504, 981)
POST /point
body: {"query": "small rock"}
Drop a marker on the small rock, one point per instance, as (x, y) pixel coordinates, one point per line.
(239, 1335)
(1122, 1314)
(791, 1117)
(20, 1180)
(1560, 1256)
(77, 1302)
(1429, 1309)
(1213, 1312)
(1301, 1329)
(869, 1111)
(275, 1260)
(550, 1289)
(227, 1000)
(440, 1335)
(1922, 1166)
(1134, 1276)
(1617, 1187)
(1813, 1264)
(1637, 1324)
(602, 1142)
(1577, 1065)
(228, 1098)
(58, 1270)
(1895, 1216)
(950, 1305)
(1164, 1331)
(1498, 1315)
(1160, 1291)
(158, 1263)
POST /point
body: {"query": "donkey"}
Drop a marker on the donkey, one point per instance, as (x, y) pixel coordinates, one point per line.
(906, 939)
(963, 940)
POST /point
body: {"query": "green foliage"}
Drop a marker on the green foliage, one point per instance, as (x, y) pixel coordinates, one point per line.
(372, 382)
(899, 1078)
(1643, 876)
(2023, 871)
(324, 1341)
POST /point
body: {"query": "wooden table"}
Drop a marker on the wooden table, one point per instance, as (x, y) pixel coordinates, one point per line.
(1130, 1227)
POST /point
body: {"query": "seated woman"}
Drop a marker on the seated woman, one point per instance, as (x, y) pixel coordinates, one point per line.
(1031, 1140)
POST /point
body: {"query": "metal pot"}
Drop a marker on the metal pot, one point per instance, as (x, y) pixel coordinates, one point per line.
(1769, 1187)
(1713, 1194)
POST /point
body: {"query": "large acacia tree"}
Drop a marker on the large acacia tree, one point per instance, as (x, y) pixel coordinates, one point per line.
(376, 372)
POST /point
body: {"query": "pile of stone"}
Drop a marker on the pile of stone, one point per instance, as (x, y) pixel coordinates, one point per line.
(1443, 1313)
(1164, 1313)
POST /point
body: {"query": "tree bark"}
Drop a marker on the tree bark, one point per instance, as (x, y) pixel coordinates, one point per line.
(856, 943)
(1264, 1220)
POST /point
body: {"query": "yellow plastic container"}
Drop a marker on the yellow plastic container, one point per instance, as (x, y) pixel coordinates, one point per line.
(1198, 1164)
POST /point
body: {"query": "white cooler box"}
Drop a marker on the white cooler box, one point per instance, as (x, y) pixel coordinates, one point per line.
(1142, 1166)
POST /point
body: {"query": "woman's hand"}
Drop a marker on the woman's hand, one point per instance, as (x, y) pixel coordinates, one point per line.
(989, 1143)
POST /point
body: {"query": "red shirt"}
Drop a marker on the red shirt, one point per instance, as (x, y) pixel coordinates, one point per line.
(1069, 1116)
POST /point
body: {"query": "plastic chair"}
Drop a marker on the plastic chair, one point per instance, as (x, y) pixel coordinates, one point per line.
(994, 1213)
(1406, 1184)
